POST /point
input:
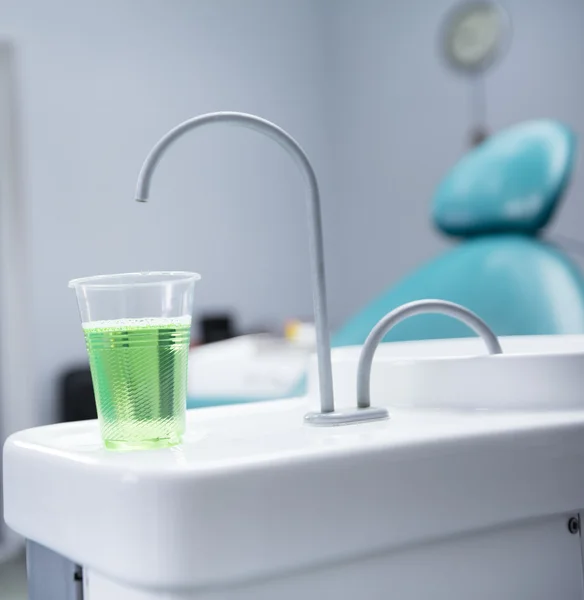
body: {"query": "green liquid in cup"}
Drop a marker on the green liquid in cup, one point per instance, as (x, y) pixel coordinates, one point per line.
(139, 372)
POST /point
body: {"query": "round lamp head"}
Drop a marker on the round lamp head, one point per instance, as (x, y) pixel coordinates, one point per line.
(475, 35)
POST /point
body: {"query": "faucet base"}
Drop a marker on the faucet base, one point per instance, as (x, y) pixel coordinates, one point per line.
(347, 417)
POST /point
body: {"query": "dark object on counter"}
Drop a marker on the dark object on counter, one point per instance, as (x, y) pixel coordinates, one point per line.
(77, 402)
(215, 328)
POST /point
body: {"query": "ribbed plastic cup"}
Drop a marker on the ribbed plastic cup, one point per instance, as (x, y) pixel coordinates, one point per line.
(137, 331)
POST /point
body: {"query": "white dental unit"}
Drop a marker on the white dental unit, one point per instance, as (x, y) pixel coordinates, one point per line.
(472, 502)
(444, 470)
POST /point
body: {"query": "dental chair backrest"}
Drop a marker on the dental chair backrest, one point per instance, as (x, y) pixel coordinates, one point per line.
(497, 199)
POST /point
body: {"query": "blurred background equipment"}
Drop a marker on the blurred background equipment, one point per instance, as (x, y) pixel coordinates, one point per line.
(250, 368)
(77, 397)
(216, 327)
(475, 35)
(225, 367)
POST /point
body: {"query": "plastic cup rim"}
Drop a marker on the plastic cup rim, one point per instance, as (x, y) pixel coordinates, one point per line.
(108, 281)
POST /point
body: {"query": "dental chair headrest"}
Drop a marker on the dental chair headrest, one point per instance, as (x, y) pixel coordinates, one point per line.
(511, 183)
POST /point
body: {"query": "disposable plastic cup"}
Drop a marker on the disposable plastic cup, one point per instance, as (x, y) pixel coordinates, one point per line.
(137, 332)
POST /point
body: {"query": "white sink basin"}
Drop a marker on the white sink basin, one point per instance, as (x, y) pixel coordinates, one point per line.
(533, 373)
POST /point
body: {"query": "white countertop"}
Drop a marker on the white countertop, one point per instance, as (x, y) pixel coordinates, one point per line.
(253, 491)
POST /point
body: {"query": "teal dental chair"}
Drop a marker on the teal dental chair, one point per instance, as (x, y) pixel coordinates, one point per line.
(497, 199)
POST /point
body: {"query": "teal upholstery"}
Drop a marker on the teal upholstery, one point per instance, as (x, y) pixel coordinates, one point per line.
(498, 197)
(517, 284)
(511, 182)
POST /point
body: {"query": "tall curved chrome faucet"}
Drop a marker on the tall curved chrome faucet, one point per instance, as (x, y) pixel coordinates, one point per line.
(315, 221)
(327, 414)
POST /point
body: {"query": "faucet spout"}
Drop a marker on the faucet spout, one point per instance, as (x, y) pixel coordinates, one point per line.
(317, 267)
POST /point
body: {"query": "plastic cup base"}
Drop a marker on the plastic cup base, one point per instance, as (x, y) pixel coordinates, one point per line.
(124, 446)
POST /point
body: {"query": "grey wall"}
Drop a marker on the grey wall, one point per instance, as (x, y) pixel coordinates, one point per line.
(406, 118)
(100, 82)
